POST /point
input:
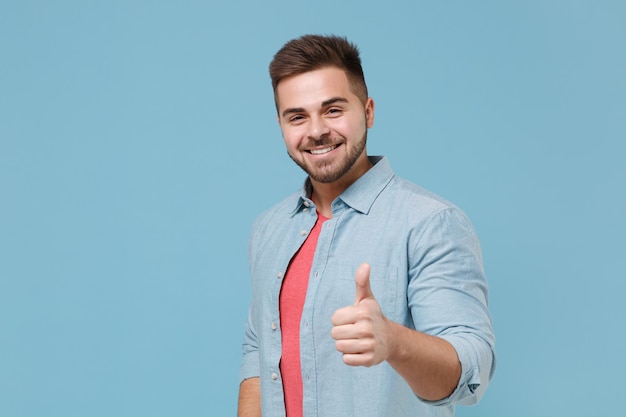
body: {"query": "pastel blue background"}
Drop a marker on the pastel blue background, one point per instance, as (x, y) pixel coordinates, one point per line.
(138, 141)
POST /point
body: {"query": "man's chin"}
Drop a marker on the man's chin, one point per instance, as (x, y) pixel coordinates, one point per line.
(325, 176)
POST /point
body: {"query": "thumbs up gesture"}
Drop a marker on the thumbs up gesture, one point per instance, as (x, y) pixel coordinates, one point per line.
(361, 331)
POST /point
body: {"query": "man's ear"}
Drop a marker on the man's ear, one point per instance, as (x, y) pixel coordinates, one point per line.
(369, 112)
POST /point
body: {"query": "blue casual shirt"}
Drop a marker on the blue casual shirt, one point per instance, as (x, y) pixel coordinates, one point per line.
(426, 273)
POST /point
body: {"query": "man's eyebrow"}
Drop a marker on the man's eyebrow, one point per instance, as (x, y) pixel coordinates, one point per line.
(334, 100)
(293, 110)
(325, 103)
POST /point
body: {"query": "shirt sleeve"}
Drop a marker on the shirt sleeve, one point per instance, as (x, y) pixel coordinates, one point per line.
(448, 297)
(250, 362)
(250, 349)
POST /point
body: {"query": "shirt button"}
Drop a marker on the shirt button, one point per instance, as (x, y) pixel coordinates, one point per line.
(279, 275)
(274, 376)
(305, 209)
(303, 233)
(306, 324)
(306, 204)
(274, 326)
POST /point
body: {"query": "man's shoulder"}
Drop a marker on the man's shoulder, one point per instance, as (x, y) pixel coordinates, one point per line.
(279, 211)
(417, 208)
(411, 194)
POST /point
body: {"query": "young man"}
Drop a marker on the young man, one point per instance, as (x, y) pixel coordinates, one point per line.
(368, 292)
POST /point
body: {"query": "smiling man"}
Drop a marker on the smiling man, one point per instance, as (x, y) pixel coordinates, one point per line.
(368, 292)
(324, 126)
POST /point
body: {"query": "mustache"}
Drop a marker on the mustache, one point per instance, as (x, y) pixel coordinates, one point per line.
(326, 141)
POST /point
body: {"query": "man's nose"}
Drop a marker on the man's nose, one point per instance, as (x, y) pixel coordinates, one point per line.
(318, 128)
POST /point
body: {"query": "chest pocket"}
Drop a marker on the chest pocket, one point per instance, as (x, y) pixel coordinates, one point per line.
(338, 288)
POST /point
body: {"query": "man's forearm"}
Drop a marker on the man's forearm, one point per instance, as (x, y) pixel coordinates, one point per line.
(429, 364)
(249, 398)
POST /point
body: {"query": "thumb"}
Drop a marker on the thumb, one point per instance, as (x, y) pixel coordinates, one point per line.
(362, 281)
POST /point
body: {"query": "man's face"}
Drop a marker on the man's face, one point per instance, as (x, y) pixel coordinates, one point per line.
(324, 124)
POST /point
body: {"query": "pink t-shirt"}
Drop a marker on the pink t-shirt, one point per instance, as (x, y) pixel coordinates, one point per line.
(292, 296)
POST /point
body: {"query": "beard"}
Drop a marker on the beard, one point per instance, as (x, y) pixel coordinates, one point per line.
(326, 172)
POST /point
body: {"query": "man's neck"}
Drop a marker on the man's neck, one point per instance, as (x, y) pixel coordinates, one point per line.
(324, 194)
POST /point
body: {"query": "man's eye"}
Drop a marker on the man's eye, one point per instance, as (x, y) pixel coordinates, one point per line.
(296, 118)
(334, 111)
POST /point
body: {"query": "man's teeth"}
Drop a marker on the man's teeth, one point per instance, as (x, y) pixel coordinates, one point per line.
(322, 151)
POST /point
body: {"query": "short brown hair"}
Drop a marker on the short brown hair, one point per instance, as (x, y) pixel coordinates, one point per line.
(311, 52)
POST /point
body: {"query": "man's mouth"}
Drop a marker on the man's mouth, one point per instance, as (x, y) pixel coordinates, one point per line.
(323, 150)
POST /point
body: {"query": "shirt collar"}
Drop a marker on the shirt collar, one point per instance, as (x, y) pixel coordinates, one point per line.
(362, 193)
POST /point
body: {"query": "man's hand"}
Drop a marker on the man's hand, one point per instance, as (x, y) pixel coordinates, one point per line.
(361, 331)
(429, 364)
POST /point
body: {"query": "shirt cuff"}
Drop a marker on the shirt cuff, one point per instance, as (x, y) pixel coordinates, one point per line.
(249, 365)
(477, 363)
